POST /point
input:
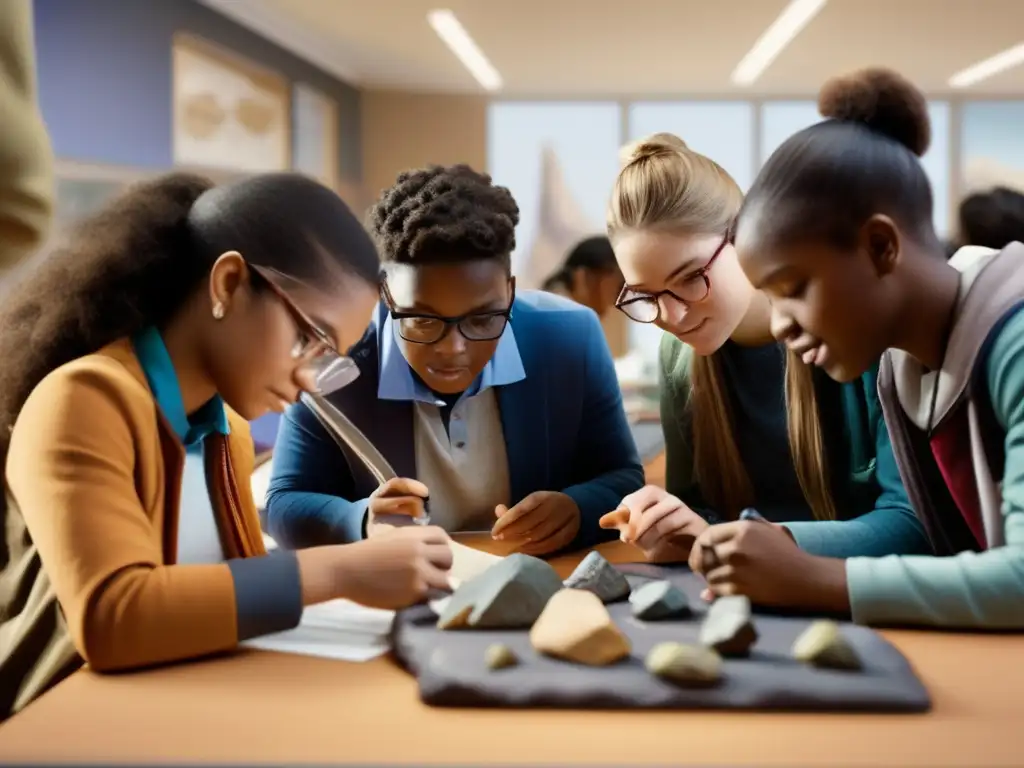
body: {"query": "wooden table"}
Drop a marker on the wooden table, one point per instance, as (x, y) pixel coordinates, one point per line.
(266, 707)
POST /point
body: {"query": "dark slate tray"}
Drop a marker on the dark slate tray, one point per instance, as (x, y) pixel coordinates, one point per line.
(451, 671)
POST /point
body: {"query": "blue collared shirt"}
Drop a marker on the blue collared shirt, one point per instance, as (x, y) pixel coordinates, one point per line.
(163, 382)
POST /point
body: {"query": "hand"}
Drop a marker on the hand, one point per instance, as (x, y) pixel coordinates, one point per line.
(397, 502)
(657, 522)
(394, 569)
(543, 522)
(762, 561)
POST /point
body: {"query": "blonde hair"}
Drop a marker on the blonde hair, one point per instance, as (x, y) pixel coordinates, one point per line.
(665, 186)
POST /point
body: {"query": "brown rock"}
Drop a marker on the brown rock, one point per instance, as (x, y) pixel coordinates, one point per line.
(823, 645)
(685, 665)
(576, 626)
(499, 656)
(728, 626)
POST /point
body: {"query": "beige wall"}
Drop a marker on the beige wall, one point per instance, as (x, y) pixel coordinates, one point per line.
(411, 130)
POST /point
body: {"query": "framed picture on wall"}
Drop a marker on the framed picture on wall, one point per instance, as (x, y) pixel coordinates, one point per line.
(228, 112)
(315, 144)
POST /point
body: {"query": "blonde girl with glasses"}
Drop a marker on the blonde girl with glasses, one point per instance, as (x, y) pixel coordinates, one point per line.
(747, 425)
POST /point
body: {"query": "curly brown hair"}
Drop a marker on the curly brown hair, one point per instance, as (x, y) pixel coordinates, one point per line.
(139, 260)
(444, 214)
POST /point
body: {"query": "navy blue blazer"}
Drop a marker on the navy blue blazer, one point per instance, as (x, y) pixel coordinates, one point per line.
(563, 421)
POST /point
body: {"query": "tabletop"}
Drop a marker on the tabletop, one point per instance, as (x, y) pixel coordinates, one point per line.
(265, 707)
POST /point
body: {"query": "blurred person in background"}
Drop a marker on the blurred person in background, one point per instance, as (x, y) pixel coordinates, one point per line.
(26, 161)
(992, 219)
(589, 276)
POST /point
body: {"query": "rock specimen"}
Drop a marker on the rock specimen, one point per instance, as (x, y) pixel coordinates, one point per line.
(728, 626)
(823, 645)
(685, 665)
(659, 600)
(509, 595)
(576, 626)
(499, 656)
(597, 575)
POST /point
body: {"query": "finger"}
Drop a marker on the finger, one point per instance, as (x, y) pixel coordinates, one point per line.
(640, 500)
(615, 519)
(558, 539)
(434, 534)
(723, 574)
(655, 514)
(546, 525)
(500, 511)
(402, 486)
(440, 555)
(707, 594)
(435, 578)
(696, 559)
(510, 522)
(411, 506)
(714, 535)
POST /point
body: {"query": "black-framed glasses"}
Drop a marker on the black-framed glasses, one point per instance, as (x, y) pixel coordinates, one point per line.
(644, 307)
(313, 345)
(421, 328)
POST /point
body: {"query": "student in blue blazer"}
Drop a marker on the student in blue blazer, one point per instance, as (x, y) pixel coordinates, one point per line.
(504, 410)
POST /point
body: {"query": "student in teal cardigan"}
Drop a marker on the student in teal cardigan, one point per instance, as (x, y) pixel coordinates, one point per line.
(838, 230)
(746, 425)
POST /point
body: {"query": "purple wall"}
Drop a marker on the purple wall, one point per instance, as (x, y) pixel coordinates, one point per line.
(105, 77)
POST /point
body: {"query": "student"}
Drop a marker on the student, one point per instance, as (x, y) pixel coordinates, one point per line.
(132, 358)
(837, 229)
(26, 160)
(590, 275)
(992, 219)
(503, 408)
(745, 425)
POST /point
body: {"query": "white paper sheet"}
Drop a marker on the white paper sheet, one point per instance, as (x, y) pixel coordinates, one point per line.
(338, 629)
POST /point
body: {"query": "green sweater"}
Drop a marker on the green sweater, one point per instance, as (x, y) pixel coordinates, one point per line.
(970, 590)
(875, 516)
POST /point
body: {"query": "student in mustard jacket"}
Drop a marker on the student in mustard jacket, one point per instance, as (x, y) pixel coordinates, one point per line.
(132, 360)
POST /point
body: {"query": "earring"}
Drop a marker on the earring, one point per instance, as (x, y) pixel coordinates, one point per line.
(218, 311)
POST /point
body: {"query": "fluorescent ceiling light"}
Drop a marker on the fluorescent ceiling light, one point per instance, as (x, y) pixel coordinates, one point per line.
(465, 49)
(983, 70)
(769, 45)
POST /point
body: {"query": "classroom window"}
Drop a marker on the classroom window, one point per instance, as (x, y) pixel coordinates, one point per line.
(584, 139)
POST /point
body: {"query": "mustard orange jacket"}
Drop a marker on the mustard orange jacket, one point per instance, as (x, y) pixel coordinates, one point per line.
(94, 474)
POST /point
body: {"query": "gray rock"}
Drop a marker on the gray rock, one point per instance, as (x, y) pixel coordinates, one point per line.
(685, 665)
(659, 600)
(597, 575)
(499, 656)
(729, 627)
(822, 644)
(509, 595)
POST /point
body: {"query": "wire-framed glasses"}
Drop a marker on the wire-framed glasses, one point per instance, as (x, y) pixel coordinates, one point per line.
(313, 345)
(645, 307)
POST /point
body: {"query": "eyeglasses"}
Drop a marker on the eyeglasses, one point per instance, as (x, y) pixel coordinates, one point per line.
(643, 307)
(430, 329)
(313, 345)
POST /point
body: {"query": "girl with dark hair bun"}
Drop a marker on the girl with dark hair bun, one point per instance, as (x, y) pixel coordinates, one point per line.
(837, 230)
(133, 358)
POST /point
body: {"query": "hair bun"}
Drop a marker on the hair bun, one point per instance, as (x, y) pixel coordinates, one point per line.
(652, 146)
(884, 101)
